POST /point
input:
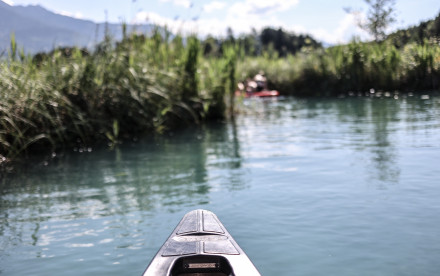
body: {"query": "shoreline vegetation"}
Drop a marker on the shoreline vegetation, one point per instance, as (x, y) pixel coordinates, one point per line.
(149, 84)
(353, 68)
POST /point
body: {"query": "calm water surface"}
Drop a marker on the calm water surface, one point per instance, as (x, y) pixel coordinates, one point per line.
(306, 187)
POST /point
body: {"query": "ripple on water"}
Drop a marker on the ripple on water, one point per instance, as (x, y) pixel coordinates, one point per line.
(333, 186)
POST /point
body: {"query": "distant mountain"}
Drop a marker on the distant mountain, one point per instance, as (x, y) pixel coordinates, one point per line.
(37, 29)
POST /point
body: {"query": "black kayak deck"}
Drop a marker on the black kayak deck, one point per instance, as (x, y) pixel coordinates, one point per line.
(200, 245)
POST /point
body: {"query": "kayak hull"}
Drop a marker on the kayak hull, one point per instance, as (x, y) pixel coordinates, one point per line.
(263, 94)
(260, 94)
(200, 245)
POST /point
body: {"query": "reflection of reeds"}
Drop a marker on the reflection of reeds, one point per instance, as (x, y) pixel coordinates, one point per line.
(355, 67)
(69, 98)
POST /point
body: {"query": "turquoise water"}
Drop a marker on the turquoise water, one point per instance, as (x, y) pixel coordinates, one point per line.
(307, 187)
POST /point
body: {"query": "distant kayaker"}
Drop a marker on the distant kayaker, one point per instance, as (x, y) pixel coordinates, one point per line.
(261, 81)
(251, 86)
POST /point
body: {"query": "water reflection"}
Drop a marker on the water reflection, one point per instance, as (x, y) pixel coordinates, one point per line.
(383, 150)
(373, 124)
(163, 174)
(296, 163)
(373, 128)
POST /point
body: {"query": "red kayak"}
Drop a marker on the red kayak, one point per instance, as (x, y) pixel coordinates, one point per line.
(260, 94)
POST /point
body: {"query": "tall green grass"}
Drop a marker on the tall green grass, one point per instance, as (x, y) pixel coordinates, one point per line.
(141, 85)
(355, 67)
(152, 83)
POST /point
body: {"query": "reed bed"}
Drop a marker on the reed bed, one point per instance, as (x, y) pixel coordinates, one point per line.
(147, 84)
(73, 99)
(356, 67)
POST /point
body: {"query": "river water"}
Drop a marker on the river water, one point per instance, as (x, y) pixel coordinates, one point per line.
(306, 187)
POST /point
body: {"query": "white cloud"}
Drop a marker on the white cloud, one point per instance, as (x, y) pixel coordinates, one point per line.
(151, 17)
(347, 29)
(203, 26)
(239, 21)
(347, 26)
(248, 14)
(244, 24)
(215, 5)
(262, 7)
(183, 3)
(74, 15)
(9, 2)
(174, 25)
(241, 18)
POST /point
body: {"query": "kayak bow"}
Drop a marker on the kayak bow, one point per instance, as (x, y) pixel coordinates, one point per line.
(200, 245)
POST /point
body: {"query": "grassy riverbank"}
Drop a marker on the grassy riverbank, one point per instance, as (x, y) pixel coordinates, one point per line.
(72, 98)
(150, 84)
(356, 67)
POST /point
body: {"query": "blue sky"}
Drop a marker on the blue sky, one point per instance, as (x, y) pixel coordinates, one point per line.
(325, 20)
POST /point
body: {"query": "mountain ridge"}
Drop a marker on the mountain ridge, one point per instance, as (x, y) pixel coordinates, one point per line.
(37, 29)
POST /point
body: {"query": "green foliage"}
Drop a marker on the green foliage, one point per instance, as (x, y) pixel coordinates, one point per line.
(153, 83)
(356, 67)
(427, 31)
(189, 78)
(13, 52)
(71, 98)
(113, 136)
(274, 41)
(285, 43)
(223, 95)
(379, 17)
(228, 75)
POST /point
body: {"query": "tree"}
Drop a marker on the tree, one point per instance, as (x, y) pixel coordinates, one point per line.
(284, 42)
(210, 47)
(380, 16)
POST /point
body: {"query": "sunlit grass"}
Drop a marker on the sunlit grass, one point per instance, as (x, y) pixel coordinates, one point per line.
(142, 85)
(356, 67)
(151, 84)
